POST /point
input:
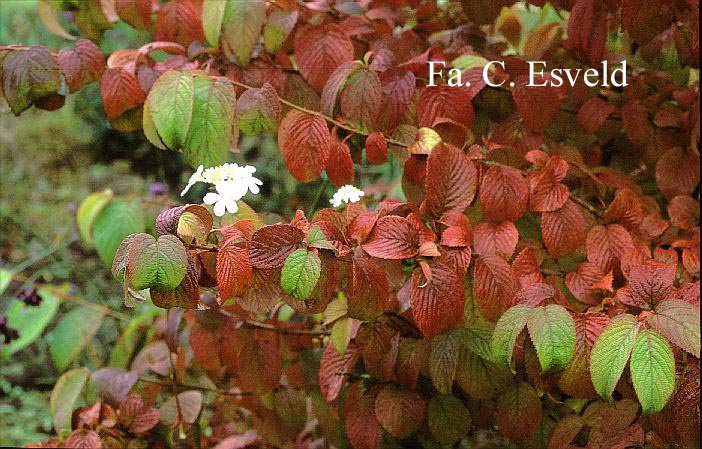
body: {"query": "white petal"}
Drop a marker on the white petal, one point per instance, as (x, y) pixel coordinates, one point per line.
(219, 208)
(211, 198)
(232, 207)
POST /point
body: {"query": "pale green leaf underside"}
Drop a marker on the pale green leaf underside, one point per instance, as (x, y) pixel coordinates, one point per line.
(679, 322)
(552, 330)
(611, 352)
(88, 211)
(64, 395)
(652, 371)
(300, 273)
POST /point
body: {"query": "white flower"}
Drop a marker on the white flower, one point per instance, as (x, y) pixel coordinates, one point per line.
(196, 177)
(225, 198)
(346, 194)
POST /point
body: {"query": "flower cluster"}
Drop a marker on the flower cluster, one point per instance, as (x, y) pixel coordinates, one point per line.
(231, 183)
(346, 194)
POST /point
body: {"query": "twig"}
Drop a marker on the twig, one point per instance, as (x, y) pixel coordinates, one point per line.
(252, 324)
(317, 196)
(174, 382)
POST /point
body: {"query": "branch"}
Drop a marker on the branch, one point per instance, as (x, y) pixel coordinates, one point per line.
(253, 324)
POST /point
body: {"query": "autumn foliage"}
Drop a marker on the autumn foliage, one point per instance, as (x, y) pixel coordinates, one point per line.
(539, 280)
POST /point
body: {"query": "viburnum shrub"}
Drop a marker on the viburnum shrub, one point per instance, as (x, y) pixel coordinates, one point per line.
(538, 278)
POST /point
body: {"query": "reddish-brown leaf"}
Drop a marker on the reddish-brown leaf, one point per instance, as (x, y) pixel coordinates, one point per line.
(271, 245)
(319, 50)
(563, 230)
(378, 341)
(398, 89)
(376, 148)
(179, 21)
(606, 246)
(626, 210)
(393, 237)
(437, 304)
(361, 425)
(582, 283)
(546, 192)
(459, 232)
(333, 368)
(264, 292)
(587, 30)
(684, 212)
(534, 295)
(260, 368)
(136, 13)
(446, 102)
(400, 411)
(649, 284)
(635, 120)
(575, 379)
(504, 194)
(82, 64)
(451, 180)
(339, 166)
(137, 417)
(644, 20)
(83, 439)
(360, 99)
(538, 105)
(678, 172)
(496, 239)
(120, 92)
(494, 285)
(593, 113)
(234, 271)
(368, 290)
(518, 412)
(305, 142)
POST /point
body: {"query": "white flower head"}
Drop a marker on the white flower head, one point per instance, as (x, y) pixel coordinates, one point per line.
(225, 198)
(195, 177)
(346, 194)
(231, 183)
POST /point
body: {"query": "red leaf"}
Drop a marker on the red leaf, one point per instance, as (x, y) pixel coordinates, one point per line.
(437, 305)
(606, 246)
(264, 292)
(635, 121)
(234, 271)
(584, 282)
(563, 230)
(376, 148)
(398, 89)
(82, 64)
(361, 425)
(649, 284)
(305, 142)
(319, 50)
(678, 172)
(546, 192)
(534, 295)
(626, 210)
(333, 368)
(203, 342)
(684, 212)
(271, 245)
(644, 20)
(504, 194)
(451, 180)
(575, 379)
(368, 290)
(120, 92)
(260, 367)
(136, 13)
(537, 104)
(587, 29)
(179, 21)
(494, 285)
(459, 232)
(518, 412)
(593, 113)
(378, 341)
(360, 99)
(393, 237)
(400, 411)
(444, 102)
(496, 239)
(82, 439)
(339, 165)
(137, 417)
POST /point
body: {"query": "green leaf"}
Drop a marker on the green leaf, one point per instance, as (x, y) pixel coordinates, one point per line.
(64, 396)
(89, 210)
(506, 332)
(28, 76)
(72, 334)
(170, 105)
(317, 239)
(30, 320)
(115, 222)
(242, 28)
(448, 419)
(552, 330)
(127, 342)
(258, 110)
(477, 337)
(679, 322)
(611, 352)
(160, 264)
(211, 127)
(300, 273)
(5, 280)
(278, 26)
(443, 360)
(652, 371)
(341, 334)
(481, 378)
(212, 17)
